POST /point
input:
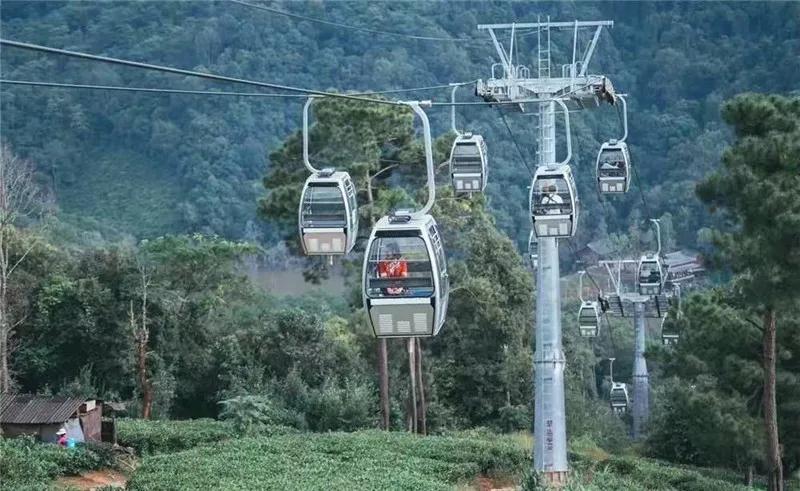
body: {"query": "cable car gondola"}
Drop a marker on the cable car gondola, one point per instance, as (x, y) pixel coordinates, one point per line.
(554, 202)
(328, 212)
(588, 313)
(650, 275)
(468, 168)
(405, 286)
(669, 335)
(619, 397)
(588, 319)
(405, 280)
(533, 250)
(613, 167)
(669, 324)
(468, 157)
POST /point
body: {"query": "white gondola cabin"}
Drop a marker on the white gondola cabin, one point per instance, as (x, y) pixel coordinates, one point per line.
(405, 282)
(613, 167)
(669, 335)
(468, 163)
(619, 397)
(533, 250)
(328, 214)
(650, 275)
(588, 319)
(554, 202)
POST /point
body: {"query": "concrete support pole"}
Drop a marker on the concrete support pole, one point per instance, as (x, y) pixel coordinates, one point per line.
(550, 432)
(641, 380)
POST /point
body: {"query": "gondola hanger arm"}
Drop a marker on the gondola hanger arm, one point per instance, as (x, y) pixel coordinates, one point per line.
(306, 159)
(417, 106)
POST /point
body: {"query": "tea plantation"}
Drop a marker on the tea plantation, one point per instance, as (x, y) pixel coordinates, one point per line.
(206, 454)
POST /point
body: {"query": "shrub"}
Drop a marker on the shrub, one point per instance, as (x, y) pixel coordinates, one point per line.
(254, 414)
(362, 460)
(25, 462)
(151, 437)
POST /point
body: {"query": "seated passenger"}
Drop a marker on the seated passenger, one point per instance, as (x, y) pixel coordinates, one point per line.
(393, 266)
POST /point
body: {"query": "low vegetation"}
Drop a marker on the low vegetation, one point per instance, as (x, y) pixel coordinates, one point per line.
(361, 460)
(27, 464)
(153, 437)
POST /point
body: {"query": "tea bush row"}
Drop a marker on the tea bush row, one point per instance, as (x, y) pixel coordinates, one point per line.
(28, 464)
(364, 460)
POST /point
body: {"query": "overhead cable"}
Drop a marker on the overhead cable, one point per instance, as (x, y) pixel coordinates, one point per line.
(191, 73)
(514, 140)
(36, 83)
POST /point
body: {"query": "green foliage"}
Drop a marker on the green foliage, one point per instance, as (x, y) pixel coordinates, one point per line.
(698, 424)
(364, 460)
(152, 437)
(757, 190)
(25, 463)
(251, 415)
(720, 356)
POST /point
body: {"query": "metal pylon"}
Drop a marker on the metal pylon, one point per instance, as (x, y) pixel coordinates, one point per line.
(641, 379)
(550, 432)
(580, 90)
(543, 38)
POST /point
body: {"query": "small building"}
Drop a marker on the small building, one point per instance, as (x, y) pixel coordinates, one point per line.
(43, 416)
(596, 250)
(683, 266)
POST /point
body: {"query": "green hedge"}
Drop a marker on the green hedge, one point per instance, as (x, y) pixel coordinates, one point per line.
(362, 460)
(28, 464)
(152, 437)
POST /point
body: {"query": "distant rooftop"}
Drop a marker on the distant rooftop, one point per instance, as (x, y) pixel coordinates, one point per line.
(31, 409)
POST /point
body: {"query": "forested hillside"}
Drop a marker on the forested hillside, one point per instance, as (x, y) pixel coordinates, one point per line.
(131, 223)
(147, 164)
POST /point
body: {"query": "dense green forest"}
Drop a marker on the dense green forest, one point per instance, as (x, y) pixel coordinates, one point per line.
(129, 278)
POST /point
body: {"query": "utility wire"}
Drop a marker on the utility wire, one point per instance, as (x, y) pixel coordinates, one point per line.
(513, 139)
(351, 27)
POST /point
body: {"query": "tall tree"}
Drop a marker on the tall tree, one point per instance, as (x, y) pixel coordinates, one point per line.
(758, 190)
(19, 199)
(372, 143)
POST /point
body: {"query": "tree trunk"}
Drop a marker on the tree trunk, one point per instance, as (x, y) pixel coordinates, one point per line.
(383, 354)
(383, 379)
(423, 418)
(774, 466)
(748, 476)
(413, 378)
(5, 327)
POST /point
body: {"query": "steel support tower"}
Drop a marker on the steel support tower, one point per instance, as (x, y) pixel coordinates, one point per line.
(641, 308)
(641, 379)
(515, 88)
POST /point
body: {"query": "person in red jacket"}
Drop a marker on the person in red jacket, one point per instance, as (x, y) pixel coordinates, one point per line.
(393, 266)
(62, 437)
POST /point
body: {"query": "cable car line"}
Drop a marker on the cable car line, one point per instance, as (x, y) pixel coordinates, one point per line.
(191, 73)
(354, 28)
(36, 83)
(514, 140)
(118, 88)
(224, 78)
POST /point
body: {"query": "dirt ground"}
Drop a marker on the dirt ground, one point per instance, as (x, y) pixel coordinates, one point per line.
(94, 480)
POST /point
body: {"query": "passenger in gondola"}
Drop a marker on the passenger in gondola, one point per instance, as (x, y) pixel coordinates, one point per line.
(550, 199)
(393, 266)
